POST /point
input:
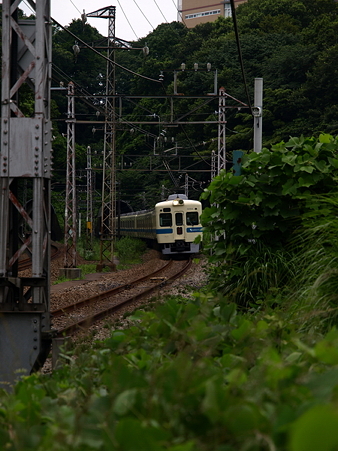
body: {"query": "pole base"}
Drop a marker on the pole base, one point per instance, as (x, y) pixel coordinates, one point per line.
(70, 273)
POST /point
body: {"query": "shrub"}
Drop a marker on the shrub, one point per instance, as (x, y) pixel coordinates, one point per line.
(262, 209)
(129, 249)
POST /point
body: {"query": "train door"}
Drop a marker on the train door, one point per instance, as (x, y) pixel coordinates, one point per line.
(179, 223)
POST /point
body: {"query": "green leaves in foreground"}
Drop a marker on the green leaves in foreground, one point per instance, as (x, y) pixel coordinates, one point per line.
(193, 375)
(316, 429)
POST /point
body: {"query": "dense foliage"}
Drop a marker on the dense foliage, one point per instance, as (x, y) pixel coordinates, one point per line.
(255, 216)
(197, 372)
(192, 375)
(250, 363)
(290, 44)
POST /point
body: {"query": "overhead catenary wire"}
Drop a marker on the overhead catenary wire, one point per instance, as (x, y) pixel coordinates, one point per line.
(71, 1)
(193, 146)
(126, 17)
(160, 11)
(143, 14)
(239, 49)
(101, 55)
(97, 107)
(179, 12)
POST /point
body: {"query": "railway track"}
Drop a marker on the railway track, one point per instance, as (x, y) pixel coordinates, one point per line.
(26, 263)
(79, 316)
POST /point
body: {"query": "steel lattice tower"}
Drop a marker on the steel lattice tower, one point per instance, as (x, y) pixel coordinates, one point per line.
(70, 233)
(108, 212)
(25, 164)
(221, 158)
(90, 191)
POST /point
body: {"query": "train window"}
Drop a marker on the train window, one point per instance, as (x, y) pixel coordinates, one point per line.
(165, 220)
(192, 218)
(179, 219)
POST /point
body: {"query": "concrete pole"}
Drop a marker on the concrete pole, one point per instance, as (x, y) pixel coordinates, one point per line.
(258, 114)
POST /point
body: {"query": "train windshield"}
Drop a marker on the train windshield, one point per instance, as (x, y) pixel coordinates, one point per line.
(165, 220)
(192, 218)
(179, 219)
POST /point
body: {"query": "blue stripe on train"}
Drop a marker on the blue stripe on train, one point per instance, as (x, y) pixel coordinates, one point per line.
(138, 230)
(163, 231)
(194, 229)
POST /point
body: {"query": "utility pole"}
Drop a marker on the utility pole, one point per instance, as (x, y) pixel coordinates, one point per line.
(25, 163)
(186, 185)
(257, 112)
(108, 213)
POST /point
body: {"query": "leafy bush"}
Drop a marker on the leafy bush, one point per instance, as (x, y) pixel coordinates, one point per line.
(260, 211)
(129, 249)
(90, 250)
(190, 376)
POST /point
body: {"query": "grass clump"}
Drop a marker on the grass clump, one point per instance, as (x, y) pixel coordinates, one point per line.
(130, 250)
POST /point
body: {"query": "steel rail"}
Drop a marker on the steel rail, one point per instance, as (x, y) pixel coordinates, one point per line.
(87, 322)
(106, 294)
(26, 263)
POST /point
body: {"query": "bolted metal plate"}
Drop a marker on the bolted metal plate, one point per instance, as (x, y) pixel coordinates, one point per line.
(20, 344)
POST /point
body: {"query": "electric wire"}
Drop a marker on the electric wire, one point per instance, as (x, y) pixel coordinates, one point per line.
(160, 11)
(143, 14)
(239, 49)
(100, 54)
(126, 17)
(193, 146)
(127, 122)
(97, 107)
(179, 12)
(71, 1)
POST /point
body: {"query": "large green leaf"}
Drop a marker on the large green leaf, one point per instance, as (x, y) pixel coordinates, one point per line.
(316, 430)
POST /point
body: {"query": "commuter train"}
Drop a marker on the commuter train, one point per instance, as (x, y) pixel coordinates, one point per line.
(173, 224)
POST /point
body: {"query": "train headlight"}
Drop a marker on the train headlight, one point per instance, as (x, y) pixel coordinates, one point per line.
(178, 202)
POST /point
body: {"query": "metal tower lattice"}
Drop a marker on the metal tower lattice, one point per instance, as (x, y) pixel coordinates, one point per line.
(25, 164)
(90, 191)
(108, 213)
(221, 157)
(213, 164)
(70, 235)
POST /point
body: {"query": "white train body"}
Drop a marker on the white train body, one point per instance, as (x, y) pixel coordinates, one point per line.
(174, 224)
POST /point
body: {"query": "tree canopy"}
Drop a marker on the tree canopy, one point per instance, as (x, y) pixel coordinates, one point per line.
(291, 44)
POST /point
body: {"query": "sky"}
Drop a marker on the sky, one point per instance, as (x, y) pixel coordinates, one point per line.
(134, 18)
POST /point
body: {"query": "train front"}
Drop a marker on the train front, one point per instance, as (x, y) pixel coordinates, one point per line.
(178, 224)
